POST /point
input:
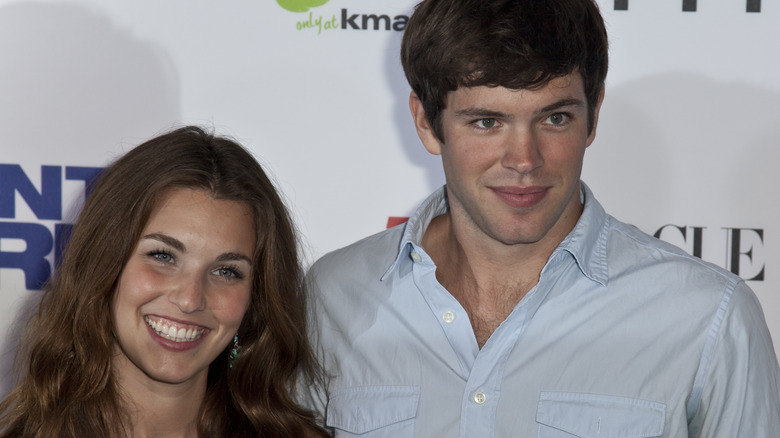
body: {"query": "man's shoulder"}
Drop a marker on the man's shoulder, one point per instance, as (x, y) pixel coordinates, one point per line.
(638, 249)
(370, 256)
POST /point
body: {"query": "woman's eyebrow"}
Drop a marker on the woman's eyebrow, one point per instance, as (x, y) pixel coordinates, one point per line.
(228, 256)
(168, 240)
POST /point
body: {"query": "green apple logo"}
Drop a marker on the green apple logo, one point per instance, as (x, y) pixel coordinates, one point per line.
(300, 5)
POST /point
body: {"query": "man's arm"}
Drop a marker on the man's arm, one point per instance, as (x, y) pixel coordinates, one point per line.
(740, 383)
(312, 393)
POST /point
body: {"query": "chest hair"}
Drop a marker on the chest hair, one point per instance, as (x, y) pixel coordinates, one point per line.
(487, 308)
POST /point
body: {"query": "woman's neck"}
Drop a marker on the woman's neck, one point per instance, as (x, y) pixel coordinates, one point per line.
(160, 409)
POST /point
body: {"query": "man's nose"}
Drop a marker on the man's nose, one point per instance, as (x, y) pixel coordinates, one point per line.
(521, 151)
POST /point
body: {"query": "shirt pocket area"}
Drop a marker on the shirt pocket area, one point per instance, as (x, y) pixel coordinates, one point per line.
(373, 411)
(571, 414)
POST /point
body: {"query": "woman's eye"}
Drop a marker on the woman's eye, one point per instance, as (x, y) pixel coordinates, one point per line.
(162, 256)
(229, 273)
(486, 123)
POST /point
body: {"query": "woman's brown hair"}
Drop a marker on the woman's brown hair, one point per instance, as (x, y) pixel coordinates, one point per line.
(67, 388)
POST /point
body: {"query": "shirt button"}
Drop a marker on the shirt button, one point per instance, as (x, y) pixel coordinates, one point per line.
(448, 317)
(416, 257)
(480, 398)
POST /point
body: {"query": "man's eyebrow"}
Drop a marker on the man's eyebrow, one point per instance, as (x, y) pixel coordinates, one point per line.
(230, 256)
(477, 112)
(569, 101)
(168, 240)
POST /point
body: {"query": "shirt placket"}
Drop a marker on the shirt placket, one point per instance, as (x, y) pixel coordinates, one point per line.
(483, 388)
(482, 370)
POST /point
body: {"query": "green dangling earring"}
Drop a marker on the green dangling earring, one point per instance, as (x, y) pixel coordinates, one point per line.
(234, 352)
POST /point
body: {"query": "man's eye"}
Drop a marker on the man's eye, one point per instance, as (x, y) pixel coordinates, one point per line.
(486, 123)
(557, 118)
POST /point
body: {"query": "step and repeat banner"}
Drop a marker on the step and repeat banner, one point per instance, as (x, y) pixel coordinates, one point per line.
(686, 149)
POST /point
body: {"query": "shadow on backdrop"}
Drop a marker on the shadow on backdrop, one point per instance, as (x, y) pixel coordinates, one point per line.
(410, 142)
(681, 145)
(73, 85)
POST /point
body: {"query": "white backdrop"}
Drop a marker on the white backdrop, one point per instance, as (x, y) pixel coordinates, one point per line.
(686, 143)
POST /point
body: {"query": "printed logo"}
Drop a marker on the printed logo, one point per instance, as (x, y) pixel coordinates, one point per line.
(300, 5)
(348, 20)
(739, 250)
(30, 244)
(691, 5)
(396, 220)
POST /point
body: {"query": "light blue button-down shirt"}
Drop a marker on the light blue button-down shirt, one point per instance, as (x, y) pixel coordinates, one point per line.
(623, 336)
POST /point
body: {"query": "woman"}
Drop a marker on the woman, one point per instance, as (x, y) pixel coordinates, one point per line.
(178, 308)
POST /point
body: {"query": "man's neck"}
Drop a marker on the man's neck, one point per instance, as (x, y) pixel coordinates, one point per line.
(487, 278)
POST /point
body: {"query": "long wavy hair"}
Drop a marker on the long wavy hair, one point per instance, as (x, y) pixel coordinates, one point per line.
(66, 387)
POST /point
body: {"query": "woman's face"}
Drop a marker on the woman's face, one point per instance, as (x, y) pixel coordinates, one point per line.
(184, 290)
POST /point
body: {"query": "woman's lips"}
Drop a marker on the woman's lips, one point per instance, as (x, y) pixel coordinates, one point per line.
(174, 335)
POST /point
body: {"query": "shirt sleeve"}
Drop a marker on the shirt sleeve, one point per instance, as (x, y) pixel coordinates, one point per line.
(740, 380)
(312, 394)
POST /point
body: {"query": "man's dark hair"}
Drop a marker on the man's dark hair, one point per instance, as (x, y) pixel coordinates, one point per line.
(517, 44)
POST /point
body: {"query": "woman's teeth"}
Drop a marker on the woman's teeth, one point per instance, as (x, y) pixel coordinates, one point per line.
(169, 330)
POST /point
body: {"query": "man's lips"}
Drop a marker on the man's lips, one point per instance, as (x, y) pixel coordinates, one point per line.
(520, 197)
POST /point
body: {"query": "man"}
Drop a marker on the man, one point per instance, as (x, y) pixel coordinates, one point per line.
(511, 304)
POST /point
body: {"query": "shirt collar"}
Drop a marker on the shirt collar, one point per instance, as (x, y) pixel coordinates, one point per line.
(587, 242)
(434, 205)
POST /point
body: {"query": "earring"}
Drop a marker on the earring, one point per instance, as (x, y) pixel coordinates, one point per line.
(234, 351)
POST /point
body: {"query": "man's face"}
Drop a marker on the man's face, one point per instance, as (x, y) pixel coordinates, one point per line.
(512, 159)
